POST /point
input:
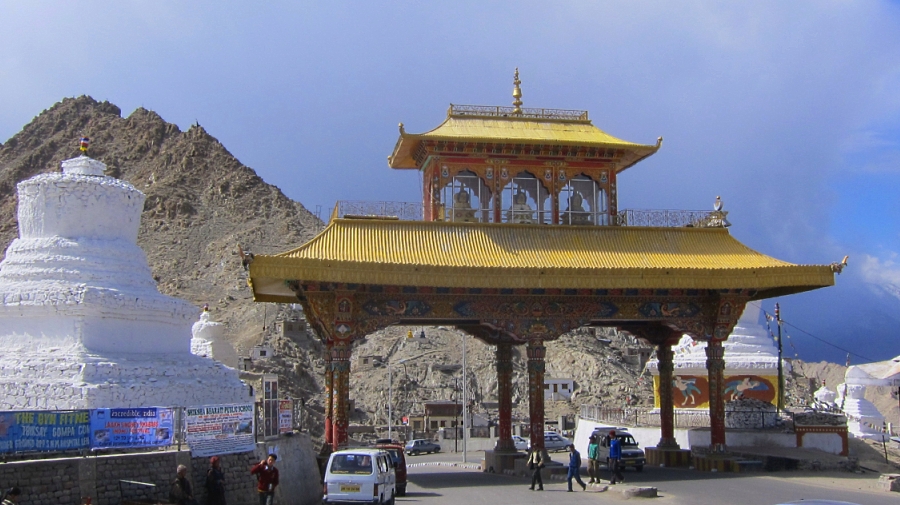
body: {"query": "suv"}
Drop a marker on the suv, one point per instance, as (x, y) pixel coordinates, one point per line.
(632, 455)
(396, 452)
(419, 446)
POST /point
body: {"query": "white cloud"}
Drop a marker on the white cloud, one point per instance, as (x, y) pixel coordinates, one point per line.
(882, 272)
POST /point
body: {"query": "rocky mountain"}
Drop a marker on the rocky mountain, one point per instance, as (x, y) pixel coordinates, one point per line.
(202, 203)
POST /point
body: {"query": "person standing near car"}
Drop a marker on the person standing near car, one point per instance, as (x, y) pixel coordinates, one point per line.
(267, 479)
(593, 453)
(615, 458)
(535, 463)
(574, 468)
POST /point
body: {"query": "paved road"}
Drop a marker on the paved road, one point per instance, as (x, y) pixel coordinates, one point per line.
(437, 483)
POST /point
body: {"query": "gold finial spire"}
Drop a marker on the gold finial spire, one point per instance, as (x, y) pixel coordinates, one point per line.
(517, 93)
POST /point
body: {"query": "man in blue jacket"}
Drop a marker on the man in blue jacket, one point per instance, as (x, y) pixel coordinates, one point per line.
(615, 456)
(574, 468)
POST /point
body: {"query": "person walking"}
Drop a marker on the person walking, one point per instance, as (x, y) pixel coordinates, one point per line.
(615, 457)
(574, 468)
(535, 463)
(593, 454)
(267, 479)
(215, 483)
(181, 492)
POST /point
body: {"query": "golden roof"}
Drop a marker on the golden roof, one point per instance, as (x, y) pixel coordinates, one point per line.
(533, 129)
(487, 255)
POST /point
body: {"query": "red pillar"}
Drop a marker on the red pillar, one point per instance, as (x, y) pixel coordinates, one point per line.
(504, 395)
(340, 360)
(715, 368)
(536, 353)
(329, 390)
(666, 404)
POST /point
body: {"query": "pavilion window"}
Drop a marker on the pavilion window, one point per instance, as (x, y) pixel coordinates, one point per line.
(526, 201)
(584, 202)
(467, 199)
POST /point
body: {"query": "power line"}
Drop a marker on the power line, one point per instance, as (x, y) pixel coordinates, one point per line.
(801, 330)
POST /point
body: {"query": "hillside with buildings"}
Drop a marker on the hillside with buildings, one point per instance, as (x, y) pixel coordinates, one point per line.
(202, 204)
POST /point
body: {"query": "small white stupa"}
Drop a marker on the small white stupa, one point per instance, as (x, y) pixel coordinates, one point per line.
(82, 323)
(208, 340)
(864, 420)
(751, 366)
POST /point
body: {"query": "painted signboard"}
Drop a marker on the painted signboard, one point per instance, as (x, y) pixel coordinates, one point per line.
(44, 431)
(219, 429)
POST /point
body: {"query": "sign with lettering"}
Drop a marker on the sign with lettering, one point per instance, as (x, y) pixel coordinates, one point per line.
(219, 429)
(285, 416)
(137, 427)
(44, 431)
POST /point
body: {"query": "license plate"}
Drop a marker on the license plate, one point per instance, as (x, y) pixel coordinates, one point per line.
(629, 461)
(349, 488)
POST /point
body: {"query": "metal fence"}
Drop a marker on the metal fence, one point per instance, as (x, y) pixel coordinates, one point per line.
(663, 218)
(637, 417)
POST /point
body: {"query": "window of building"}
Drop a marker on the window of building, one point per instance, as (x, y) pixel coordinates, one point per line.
(262, 353)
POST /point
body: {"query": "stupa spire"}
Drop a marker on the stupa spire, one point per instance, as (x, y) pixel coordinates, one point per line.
(517, 93)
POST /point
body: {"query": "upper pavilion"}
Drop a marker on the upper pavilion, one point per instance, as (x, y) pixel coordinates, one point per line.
(518, 165)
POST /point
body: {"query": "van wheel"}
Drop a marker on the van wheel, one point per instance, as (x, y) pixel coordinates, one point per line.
(437, 451)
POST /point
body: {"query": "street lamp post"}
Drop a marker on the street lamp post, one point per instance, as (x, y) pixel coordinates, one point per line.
(391, 396)
(465, 399)
(780, 403)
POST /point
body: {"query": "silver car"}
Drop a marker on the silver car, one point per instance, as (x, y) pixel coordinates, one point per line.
(554, 442)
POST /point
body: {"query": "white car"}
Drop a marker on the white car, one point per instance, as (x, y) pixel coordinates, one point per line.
(521, 443)
(360, 476)
(554, 442)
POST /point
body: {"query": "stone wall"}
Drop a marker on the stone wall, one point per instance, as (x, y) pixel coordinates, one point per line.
(65, 481)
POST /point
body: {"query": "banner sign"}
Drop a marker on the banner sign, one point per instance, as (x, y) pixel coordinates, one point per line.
(137, 427)
(219, 429)
(44, 431)
(285, 416)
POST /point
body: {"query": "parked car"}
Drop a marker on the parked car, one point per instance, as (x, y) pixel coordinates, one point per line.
(360, 475)
(632, 455)
(521, 443)
(396, 452)
(414, 447)
(554, 442)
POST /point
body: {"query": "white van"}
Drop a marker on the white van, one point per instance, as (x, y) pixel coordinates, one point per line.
(360, 476)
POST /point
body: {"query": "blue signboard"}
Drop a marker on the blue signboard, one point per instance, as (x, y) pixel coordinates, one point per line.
(44, 431)
(137, 427)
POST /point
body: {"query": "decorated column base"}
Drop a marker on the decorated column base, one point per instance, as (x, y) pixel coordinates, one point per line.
(668, 456)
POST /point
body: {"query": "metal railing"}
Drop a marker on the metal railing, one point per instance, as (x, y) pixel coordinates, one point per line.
(505, 111)
(636, 417)
(414, 211)
(667, 218)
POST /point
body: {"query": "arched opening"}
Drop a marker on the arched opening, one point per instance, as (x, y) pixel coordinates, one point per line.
(466, 199)
(526, 200)
(583, 202)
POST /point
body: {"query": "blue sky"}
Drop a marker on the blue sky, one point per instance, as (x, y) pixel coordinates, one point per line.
(788, 110)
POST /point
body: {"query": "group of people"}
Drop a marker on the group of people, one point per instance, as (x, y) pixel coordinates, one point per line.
(265, 471)
(536, 461)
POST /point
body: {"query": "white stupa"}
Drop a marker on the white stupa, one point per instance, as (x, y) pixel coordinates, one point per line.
(864, 420)
(751, 360)
(208, 340)
(82, 324)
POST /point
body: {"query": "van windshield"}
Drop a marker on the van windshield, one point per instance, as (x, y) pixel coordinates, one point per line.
(356, 464)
